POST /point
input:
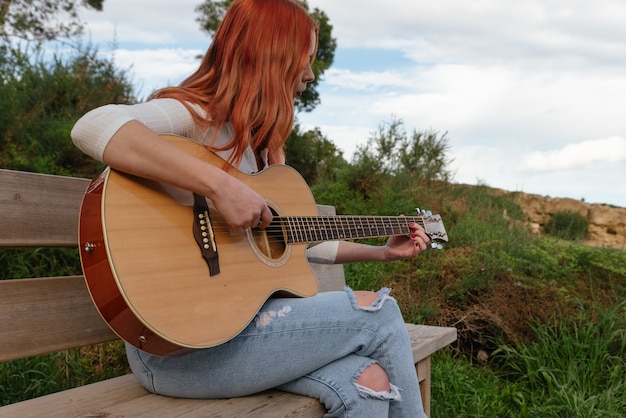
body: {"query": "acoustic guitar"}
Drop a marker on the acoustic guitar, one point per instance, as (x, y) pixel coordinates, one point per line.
(168, 276)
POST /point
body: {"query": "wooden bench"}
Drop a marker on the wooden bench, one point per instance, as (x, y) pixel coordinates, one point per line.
(44, 315)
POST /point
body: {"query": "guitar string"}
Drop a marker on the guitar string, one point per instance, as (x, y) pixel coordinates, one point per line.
(303, 229)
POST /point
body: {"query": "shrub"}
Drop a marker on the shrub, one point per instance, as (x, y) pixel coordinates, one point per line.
(568, 225)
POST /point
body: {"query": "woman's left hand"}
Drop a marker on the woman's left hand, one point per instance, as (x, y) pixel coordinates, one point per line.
(402, 246)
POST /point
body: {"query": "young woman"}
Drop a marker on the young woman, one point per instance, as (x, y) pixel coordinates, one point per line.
(349, 349)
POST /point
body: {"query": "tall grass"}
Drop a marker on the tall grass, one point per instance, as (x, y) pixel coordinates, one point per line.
(18, 263)
(575, 368)
(40, 375)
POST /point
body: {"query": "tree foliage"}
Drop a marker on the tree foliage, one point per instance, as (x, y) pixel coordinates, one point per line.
(388, 174)
(313, 155)
(212, 12)
(41, 100)
(43, 20)
(420, 157)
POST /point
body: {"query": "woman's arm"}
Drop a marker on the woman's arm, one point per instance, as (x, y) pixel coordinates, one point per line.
(135, 148)
(396, 248)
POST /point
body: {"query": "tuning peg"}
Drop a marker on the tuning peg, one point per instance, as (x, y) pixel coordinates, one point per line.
(421, 212)
(436, 246)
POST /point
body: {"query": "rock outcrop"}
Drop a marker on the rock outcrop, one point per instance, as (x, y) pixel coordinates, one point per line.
(607, 224)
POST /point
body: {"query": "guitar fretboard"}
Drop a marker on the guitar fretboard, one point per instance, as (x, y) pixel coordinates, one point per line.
(301, 229)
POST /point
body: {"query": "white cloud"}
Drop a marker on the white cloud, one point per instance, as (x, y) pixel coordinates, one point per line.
(155, 68)
(159, 23)
(574, 156)
(454, 31)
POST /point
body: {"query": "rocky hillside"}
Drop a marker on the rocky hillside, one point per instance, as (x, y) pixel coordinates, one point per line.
(607, 224)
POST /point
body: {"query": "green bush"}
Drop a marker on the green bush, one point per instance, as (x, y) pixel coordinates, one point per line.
(568, 225)
(41, 100)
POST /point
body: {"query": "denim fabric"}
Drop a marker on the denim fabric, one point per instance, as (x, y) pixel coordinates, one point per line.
(315, 346)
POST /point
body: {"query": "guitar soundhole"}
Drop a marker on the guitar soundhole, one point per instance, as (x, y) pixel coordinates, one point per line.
(270, 243)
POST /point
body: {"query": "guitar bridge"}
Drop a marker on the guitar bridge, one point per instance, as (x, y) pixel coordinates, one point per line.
(204, 235)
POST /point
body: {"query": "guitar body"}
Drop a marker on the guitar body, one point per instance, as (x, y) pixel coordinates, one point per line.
(144, 269)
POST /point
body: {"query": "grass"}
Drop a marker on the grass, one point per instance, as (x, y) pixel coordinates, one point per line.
(40, 375)
(574, 369)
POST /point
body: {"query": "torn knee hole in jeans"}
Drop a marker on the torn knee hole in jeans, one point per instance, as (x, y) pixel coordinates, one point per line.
(264, 318)
(383, 296)
(373, 388)
(393, 394)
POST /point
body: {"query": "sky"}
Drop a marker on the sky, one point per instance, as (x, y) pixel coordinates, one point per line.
(530, 94)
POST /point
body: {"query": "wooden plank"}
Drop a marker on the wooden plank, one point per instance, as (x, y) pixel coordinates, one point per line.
(39, 209)
(423, 374)
(44, 315)
(329, 276)
(82, 401)
(426, 339)
(271, 403)
(123, 396)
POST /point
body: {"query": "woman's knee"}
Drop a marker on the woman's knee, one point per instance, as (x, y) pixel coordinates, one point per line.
(375, 378)
(365, 298)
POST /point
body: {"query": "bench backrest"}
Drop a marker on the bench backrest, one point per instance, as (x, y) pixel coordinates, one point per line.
(43, 315)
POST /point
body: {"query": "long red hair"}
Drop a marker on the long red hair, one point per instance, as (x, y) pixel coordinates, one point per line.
(249, 73)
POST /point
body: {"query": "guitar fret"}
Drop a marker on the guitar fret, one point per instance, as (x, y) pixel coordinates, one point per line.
(336, 231)
(326, 228)
(301, 231)
(307, 229)
(296, 230)
(398, 227)
(340, 230)
(356, 229)
(310, 229)
(313, 236)
(286, 224)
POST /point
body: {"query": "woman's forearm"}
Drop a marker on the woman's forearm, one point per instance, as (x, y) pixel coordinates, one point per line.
(352, 252)
(137, 150)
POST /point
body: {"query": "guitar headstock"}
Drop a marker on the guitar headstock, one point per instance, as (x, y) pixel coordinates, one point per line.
(433, 225)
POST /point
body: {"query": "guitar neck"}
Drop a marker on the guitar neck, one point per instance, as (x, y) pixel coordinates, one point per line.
(307, 229)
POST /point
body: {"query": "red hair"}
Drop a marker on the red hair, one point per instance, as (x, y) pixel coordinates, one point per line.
(249, 73)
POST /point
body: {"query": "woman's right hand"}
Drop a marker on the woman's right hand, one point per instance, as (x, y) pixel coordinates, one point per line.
(240, 206)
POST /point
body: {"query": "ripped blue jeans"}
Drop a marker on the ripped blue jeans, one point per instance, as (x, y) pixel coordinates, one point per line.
(315, 346)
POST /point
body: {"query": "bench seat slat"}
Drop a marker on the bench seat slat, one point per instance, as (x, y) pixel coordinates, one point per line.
(79, 401)
(122, 396)
(427, 339)
(271, 403)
